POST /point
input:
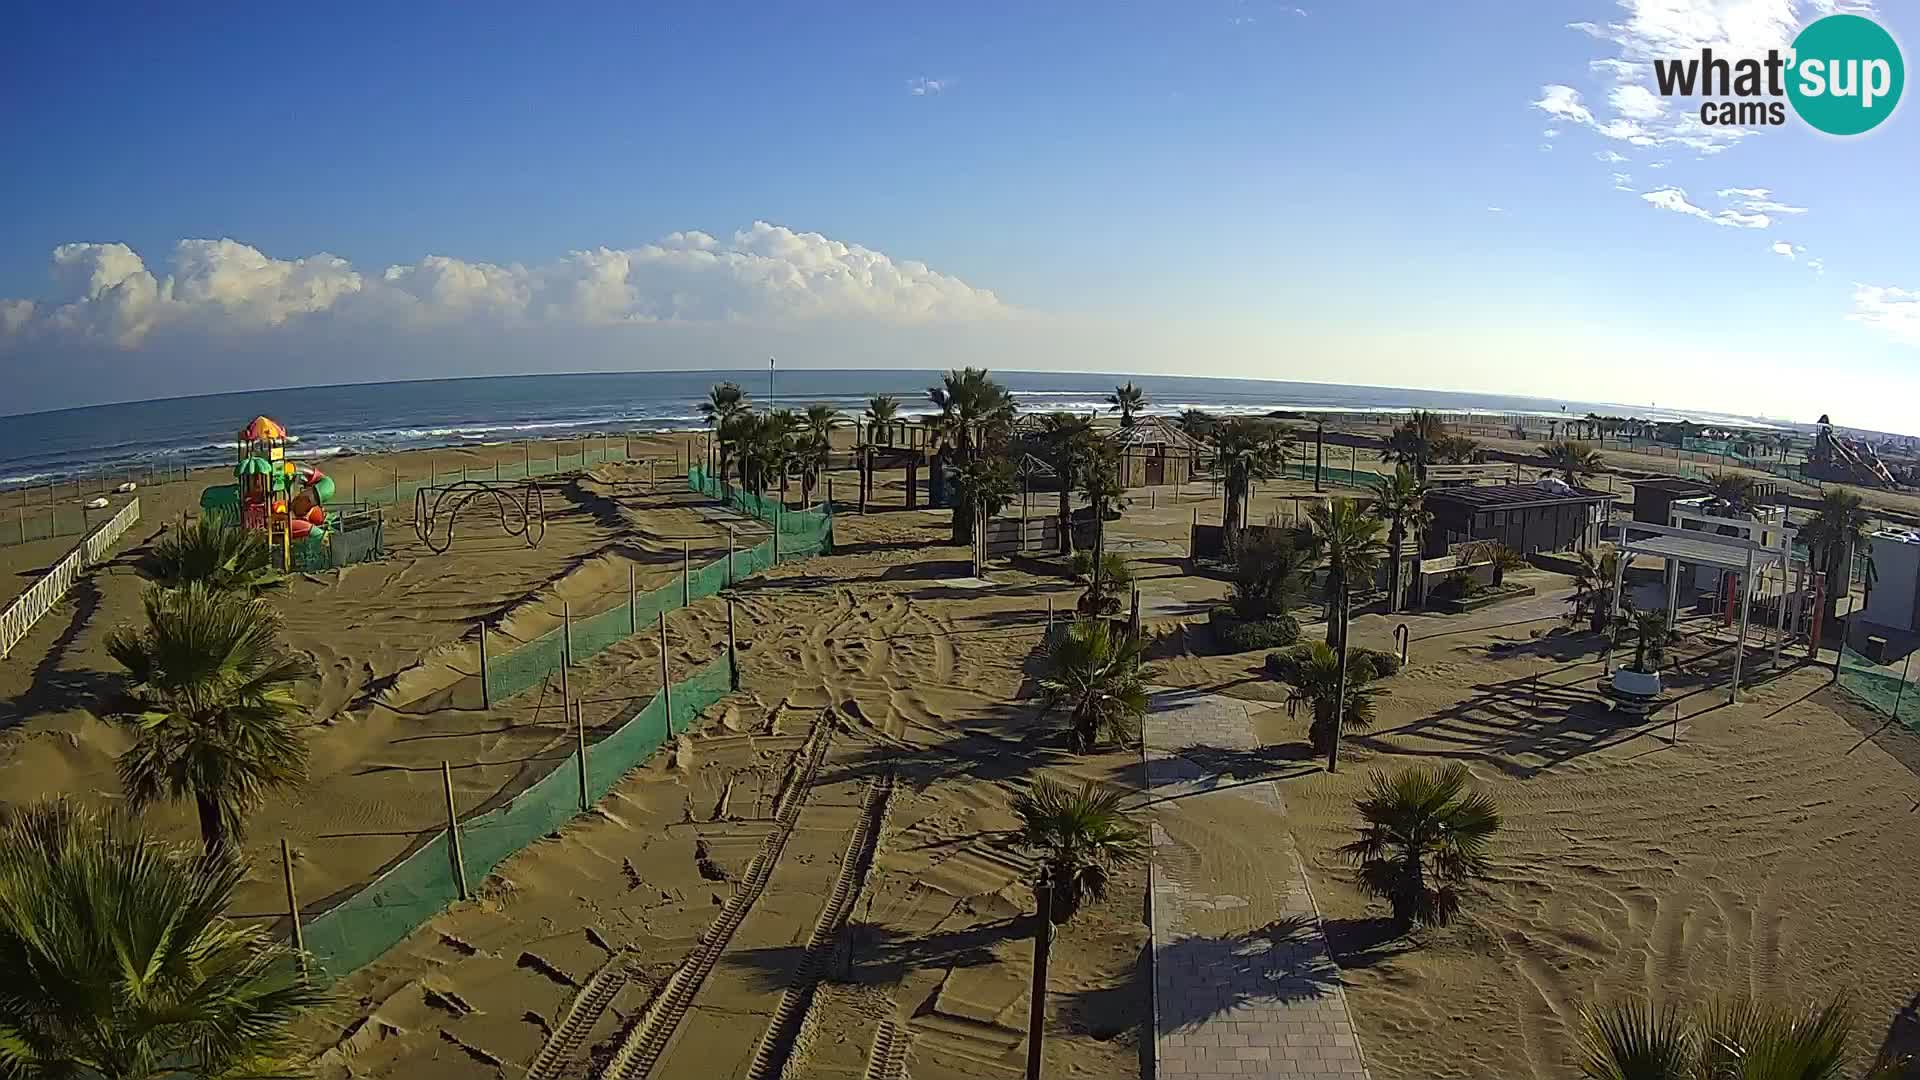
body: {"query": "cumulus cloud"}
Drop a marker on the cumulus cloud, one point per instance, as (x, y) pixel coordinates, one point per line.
(1563, 101)
(1893, 312)
(763, 273)
(1675, 200)
(1610, 157)
(1622, 181)
(928, 87)
(1786, 250)
(1758, 201)
(1646, 30)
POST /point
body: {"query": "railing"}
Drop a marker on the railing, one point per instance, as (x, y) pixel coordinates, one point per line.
(38, 600)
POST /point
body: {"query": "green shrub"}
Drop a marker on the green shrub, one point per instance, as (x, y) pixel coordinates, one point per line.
(1363, 664)
(1235, 634)
(1081, 565)
(1458, 585)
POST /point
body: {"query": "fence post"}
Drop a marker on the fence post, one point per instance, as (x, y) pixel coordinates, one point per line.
(633, 610)
(486, 685)
(1193, 532)
(733, 651)
(666, 682)
(776, 534)
(566, 635)
(686, 574)
(729, 556)
(580, 712)
(627, 447)
(526, 457)
(1133, 620)
(293, 906)
(1049, 616)
(453, 833)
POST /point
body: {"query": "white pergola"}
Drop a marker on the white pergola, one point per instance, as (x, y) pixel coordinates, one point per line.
(1750, 559)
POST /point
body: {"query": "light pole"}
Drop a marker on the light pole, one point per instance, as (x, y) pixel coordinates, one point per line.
(769, 382)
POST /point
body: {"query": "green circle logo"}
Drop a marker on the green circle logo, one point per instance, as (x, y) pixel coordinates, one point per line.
(1846, 75)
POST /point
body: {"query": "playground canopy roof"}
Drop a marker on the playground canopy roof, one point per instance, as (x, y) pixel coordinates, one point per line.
(1695, 546)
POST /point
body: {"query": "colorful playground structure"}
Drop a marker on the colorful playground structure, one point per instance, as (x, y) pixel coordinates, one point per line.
(291, 503)
(1838, 458)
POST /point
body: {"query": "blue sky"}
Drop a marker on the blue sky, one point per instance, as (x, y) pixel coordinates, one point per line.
(1238, 188)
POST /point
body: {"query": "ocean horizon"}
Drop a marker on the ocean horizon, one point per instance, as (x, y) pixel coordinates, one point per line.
(361, 418)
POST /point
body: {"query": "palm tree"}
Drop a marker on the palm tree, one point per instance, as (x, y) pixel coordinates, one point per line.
(1593, 578)
(1412, 443)
(1455, 450)
(1314, 680)
(1573, 458)
(1100, 483)
(1400, 501)
(814, 447)
(1834, 533)
(1739, 1040)
(1650, 640)
(1078, 839)
(1245, 449)
(974, 410)
(1127, 400)
(1270, 572)
(118, 962)
(724, 402)
(1098, 678)
(882, 411)
(1198, 423)
(216, 553)
(1064, 438)
(1426, 834)
(1734, 492)
(1347, 540)
(211, 707)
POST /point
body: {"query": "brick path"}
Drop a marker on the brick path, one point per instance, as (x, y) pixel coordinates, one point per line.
(1265, 1001)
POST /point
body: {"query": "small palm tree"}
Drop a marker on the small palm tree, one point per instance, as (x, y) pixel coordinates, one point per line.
(1127, 400)
(1574, 459)
(211, 707)
(1593, 578)
(1270, 573)
(1412, 443)
(1100, 483)
(1834, 532)
(1244, 449)
(1733, 492)
(1312, 674)
(1347, 539)
(216, 553)
(1426, 834)
(1198, 423)
(1065, 438)
(1078, 838)
(975, 411)
(118, 962)
(1400, 501)
(1650, 641)
(813, 446)
(1740, 1040)
(724, 402)
(1097, 676)
(882, 411)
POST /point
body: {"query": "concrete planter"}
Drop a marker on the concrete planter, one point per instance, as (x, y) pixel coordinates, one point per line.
(1636, 684)
(1486, 599)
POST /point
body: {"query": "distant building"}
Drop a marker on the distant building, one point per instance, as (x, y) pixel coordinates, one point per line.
(1547, 515)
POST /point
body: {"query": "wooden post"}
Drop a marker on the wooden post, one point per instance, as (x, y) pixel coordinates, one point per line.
(453, 833)
(633, 611)
(486, 685)
(733, 650)
(1133, 621)
(293, 906)
(526, 458)
(566, 635)
(1193, 532)
(1049, 616)
(729, 556)
(580, 728)
(776, 530)
(1042, 945)
(686, 574)
(666, 683)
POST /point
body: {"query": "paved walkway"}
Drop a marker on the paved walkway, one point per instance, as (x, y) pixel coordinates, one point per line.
(1266, 1000)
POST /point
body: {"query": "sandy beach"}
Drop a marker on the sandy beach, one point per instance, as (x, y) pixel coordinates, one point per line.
(857, 788)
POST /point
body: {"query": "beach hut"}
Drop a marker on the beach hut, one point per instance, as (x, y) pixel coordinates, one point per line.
(1547, 515)
(1154, 451)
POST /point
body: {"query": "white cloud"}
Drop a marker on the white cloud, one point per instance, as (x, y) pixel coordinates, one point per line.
(1636, 102)
(1610, 157)
(764, 273)
(1551, 133)
(1622, 181)
(1759, 201)
(1563, 101)
(1674, 199)
(1646, 30)
(928, 87)
(1496, 209)
(1818, 266)
(1786, 250)
(1893, 312)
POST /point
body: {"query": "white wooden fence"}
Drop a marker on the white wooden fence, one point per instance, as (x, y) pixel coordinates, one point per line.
(37, 601)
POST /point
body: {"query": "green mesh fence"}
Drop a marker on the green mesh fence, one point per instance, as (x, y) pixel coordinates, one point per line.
(419, 886)
(1882, 689)
(405, 897)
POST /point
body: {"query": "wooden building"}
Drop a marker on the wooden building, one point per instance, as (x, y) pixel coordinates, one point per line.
(1525, 517)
